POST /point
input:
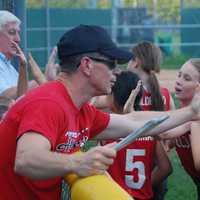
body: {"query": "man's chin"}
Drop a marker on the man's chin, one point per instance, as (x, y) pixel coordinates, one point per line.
(107, 92)
(103, 93)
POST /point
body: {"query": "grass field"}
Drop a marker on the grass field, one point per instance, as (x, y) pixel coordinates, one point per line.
(180, 185)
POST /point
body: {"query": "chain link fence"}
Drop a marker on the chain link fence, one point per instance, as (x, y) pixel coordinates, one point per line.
(173, 25)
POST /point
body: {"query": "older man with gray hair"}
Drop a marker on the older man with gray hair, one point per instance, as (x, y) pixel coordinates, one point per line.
(9, 40)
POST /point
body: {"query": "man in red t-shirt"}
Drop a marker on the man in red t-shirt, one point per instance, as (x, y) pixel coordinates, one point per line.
(42, 130)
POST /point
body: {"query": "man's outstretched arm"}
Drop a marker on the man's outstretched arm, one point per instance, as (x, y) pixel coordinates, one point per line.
(122, 125)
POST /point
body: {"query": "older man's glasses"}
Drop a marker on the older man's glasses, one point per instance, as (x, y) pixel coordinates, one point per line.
(110, 63)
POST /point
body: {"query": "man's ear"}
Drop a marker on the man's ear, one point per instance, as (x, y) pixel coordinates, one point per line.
(86, 66)
(136, 63)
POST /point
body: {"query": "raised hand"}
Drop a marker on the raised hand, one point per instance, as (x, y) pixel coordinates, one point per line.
(51, 68)
(35, 69)
(129, 105)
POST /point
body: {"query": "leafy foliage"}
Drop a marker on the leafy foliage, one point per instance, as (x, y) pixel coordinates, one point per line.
(165, 10)
(68, 3)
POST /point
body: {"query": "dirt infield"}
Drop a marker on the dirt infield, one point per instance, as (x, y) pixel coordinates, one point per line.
(167, 79)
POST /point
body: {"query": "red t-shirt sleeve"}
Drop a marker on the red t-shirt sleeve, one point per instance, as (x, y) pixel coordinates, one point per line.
(100, 121)
(43, 117)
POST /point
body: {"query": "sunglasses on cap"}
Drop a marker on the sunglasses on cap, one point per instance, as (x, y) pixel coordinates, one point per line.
(111, 64)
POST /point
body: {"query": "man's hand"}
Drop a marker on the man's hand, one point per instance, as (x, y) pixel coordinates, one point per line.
(20, 54)
(95, 161)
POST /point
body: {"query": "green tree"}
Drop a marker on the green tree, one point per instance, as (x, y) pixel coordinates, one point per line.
(68, 3)
(166, 10)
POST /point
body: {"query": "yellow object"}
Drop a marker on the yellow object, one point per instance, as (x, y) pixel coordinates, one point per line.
(97, 187)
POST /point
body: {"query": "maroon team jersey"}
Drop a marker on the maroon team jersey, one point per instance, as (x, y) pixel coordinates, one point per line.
(184, 151)
(133, 166)
(146, 99)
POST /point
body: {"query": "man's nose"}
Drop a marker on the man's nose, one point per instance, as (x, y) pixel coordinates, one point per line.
(17, 38)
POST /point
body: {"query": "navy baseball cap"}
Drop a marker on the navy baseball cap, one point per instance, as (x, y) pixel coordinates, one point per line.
(90, 38)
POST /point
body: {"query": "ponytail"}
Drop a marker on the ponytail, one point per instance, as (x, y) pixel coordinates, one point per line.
(157, 101)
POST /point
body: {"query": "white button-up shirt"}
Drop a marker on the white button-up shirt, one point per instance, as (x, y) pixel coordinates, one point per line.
(8, 74)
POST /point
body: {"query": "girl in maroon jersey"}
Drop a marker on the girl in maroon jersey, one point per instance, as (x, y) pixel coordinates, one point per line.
(132, 168)
(146, 64)
(187, 145)
(186, 138)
